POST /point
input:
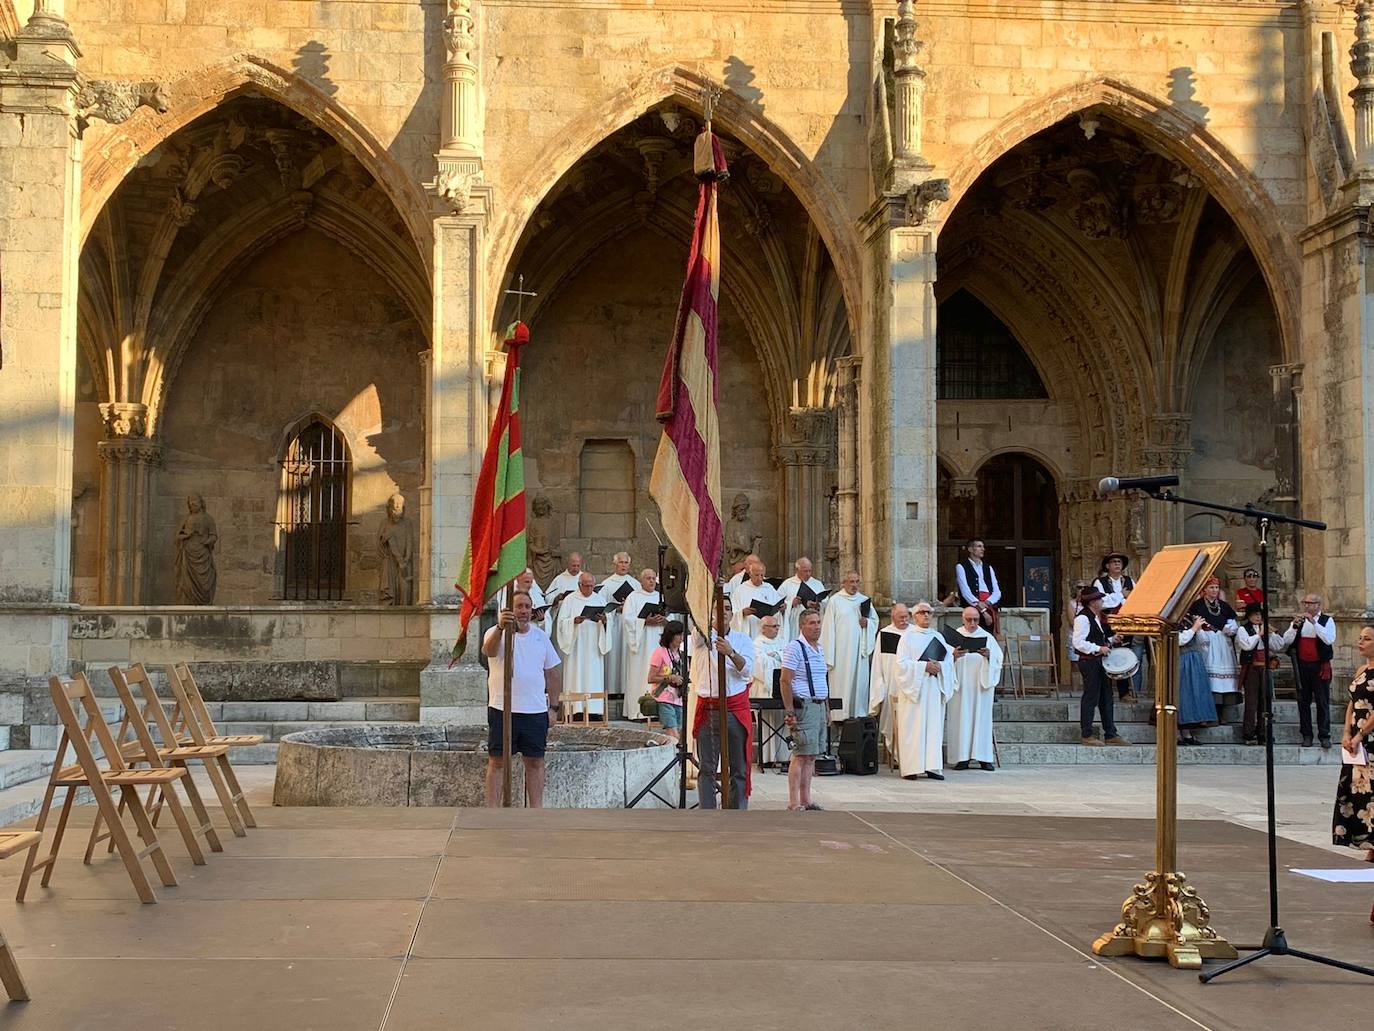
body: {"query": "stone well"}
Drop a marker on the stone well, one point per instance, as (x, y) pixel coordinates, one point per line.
(408, 764)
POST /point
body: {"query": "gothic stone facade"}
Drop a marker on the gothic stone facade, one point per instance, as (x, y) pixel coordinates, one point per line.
(232, 228)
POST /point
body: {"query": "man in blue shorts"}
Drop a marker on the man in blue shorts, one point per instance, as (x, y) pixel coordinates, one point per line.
(536, 684)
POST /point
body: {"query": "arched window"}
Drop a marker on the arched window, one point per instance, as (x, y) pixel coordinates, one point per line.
(312, 512)
(978, 357)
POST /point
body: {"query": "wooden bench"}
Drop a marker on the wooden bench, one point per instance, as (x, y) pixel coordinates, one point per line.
(12, 842)
(99, 776)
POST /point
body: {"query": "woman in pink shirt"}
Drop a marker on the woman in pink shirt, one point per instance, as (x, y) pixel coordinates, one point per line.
(667, 674)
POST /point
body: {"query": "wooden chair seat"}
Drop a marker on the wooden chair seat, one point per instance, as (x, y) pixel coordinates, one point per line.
(236, 740)
(138, 778)
(191, 725)
(180, 752)
(16, 841)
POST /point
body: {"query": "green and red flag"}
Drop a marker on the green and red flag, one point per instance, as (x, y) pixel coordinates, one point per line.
(496, 545)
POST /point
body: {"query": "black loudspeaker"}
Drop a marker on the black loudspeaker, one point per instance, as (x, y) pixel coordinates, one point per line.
(674, 585)
(859, 745)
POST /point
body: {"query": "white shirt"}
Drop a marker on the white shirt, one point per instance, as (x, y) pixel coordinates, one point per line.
(987, 577)
(1325, 634)
(533, 655)
(1081, 644)
(1249, 638)
(736, 680)
(1116, 597)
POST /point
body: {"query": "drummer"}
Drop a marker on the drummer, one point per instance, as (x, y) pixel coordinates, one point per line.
(1092, 640)
(1114, 582)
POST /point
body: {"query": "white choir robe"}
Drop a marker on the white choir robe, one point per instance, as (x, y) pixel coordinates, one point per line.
(732, 584)
(639, 641)
(921, 697)
(744, 595)
(615, 664)
(564, 581)
(882, 684)
(969, 714)
(767, 658)
(847, 648)
(791, 623)
(536, 597)
(585, 644)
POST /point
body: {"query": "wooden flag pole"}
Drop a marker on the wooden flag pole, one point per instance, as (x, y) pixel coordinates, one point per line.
(507, 661)
(720, 702)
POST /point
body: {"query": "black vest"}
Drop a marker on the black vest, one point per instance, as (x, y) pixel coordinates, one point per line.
(1324, 650)
(1096, 634)
(971, 577)
(1105, 583)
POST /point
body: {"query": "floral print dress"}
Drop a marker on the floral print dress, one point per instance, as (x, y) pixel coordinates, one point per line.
(1354, 819)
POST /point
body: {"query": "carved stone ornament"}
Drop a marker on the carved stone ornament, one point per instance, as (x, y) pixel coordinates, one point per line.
(459, 40)
(905, 45)
(124, 419)
(924, 196)
(115, 101)
(454, 185)
(1094, 213)
(963, 488)
(1158, 202)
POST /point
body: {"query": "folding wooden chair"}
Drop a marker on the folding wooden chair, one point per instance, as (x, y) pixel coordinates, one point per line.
(191, 719)
(143, 749)
(1042, 655)
(89, 773)
(10, 843)
(569, 699)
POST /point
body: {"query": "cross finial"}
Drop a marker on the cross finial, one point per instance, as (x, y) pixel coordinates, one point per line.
(520, 294)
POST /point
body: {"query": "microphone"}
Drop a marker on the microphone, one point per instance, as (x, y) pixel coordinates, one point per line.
(1112, 484)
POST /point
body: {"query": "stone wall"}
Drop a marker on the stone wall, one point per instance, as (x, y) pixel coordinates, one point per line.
(305, 328)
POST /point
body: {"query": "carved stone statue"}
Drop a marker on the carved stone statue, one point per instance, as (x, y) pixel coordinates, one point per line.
(114, 101)
(539, 535)
(740, 538)
(396, 549)
(196, 539)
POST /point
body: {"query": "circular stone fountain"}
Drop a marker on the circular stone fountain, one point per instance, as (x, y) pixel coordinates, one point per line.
(592, 767)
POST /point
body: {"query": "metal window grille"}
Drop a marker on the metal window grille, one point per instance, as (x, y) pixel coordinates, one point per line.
(312, 514)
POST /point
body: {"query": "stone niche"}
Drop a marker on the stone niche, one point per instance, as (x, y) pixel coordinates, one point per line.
(306, 327)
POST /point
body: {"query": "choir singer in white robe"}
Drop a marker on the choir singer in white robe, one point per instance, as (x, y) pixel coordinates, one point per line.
(564, 583)
(882, 685)
(790, 588)
(755, 590)
(639, 639)
(977, 669)
(849, 630)
(619, 582)
(768, 649)
(583, 640)
(925, 680)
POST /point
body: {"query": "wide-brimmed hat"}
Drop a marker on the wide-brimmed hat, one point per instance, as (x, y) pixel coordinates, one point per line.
(1253, 608)
(1125, 561)
(1091, 594)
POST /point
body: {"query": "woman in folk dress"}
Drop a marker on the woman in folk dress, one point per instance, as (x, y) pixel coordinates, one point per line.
(1218, 637)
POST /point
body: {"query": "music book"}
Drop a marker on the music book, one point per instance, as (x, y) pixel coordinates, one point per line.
(623, 591)
(763, 608)
(777, 683)
(807, 595)
(593, 612)
(1171, 582)
(888, 643)
(866, 608)
(958, 640)
(935, 651)
(775, 582)
(651, 609)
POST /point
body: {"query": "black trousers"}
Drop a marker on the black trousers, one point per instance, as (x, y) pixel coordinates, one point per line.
(1253, 687)
(1311, 685)
(708, 754)
(1097, 695)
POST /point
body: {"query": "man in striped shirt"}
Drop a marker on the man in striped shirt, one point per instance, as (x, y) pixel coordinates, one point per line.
(806, 703)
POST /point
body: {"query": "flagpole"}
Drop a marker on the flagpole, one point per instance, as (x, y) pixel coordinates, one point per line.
(720, 702)
(507, 661)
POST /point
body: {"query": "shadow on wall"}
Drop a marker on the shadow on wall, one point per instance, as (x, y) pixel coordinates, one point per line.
(312, 64)
(739, 80)
(1182, 92)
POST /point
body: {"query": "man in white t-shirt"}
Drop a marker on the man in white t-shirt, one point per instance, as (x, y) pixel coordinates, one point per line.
(536, 684)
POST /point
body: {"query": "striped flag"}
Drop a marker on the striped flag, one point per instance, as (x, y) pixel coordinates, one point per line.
(496, 545)
(686, 476)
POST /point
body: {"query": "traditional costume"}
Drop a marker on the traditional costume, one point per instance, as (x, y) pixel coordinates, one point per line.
(882, 684)
(1114, 590)
(1196, 706)
(847, 647)
(1220, 653)
(970, 711)
(638, 639)
(919, 719)
(978, 585)
(1255, 658)
(741, 728)
(585, 644)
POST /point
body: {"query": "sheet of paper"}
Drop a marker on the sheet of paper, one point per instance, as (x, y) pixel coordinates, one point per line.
(1342, 876)
(1355, 758)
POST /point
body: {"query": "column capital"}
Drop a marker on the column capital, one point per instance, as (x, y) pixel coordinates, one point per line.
(964, 488)
(124, 419)
(912, 208)
(115, 452)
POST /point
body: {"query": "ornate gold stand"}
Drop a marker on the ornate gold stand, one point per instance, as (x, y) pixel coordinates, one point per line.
(1164, 917)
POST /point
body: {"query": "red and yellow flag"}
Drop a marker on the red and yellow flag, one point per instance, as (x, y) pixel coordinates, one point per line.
(496, 545)
(686, 477)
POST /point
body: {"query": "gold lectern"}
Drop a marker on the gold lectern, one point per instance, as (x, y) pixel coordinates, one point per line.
(1164, 917)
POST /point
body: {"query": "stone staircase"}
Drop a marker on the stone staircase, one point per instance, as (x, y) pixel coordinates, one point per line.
(1043, 731)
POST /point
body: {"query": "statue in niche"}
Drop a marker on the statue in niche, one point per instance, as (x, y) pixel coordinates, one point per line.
(396, 549)
(196, 539)
(539, 536)
(740, 538)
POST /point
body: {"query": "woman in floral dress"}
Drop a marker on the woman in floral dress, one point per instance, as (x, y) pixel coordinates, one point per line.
(1354, 819)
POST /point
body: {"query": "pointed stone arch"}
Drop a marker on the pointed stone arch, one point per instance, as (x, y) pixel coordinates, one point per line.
(112, 155)
(1235, 187)
(734, 114)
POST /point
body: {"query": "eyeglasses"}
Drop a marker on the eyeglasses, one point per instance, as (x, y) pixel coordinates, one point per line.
(1311, 601)
(1252, 576)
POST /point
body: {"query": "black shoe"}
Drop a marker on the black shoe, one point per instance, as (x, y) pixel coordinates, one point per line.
(961, 766)
(1307, 741)
(911, 776)
(935, 776)
(1187, 741)
(988, 766)
(1326, 742)
(1250, 741)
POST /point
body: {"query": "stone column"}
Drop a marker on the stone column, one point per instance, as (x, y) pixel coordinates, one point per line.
(846, 530)
(806, 459)
(898, 557)
(40, 182)
(1165, 453)
(909, 83)
(1362, 67)
(424, 550)
(127, 459)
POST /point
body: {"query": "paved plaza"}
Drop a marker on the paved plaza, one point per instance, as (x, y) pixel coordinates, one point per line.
(972, 908)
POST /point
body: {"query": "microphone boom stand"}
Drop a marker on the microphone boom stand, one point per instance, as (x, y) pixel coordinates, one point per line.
(1275, 940)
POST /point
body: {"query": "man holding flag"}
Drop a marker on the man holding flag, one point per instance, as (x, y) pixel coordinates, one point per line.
(535, 683)
(496, 545)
